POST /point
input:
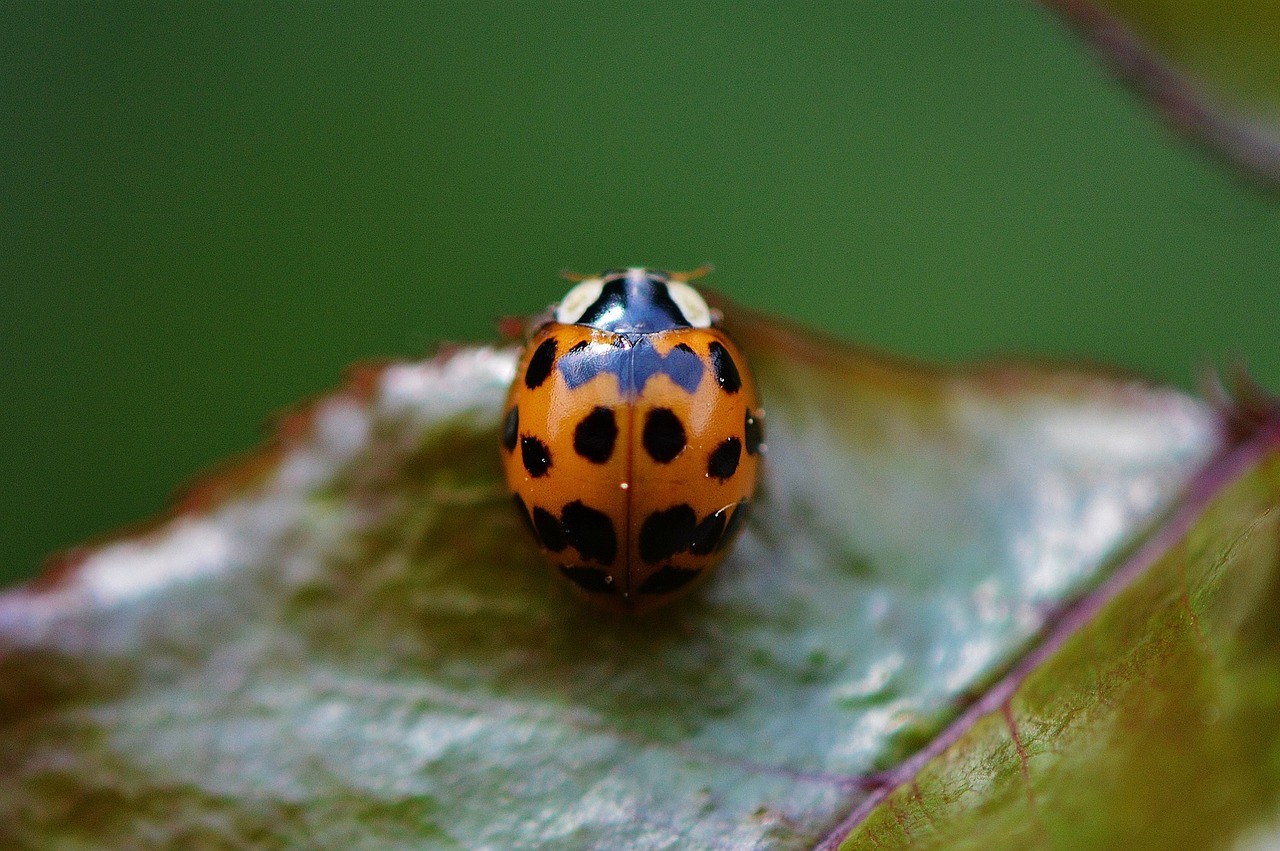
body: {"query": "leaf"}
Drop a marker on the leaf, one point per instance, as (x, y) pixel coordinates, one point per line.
(1213, 69)
(1147, 719)
(347, 641)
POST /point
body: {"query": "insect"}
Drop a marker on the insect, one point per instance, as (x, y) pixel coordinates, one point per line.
(632, 437)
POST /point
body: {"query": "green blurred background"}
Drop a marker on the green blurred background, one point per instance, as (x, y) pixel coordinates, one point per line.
(207, 213)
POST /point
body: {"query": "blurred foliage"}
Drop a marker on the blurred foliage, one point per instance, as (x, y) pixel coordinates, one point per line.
(208, 211)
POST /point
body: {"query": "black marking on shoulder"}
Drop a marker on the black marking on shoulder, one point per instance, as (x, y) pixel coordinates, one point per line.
(754, 432)
(511, 429)
(726, 370)
(540, 364)
(590, 532)
(591, 579)
(633, 362)
(666, 313)
(667, 579)
(536, 456)
(609, 308)
(723, 462)
(663, 435)
(595, 435)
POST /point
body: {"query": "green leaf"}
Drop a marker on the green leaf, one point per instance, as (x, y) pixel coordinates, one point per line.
(1213, 69)
(1147, 719)
(347, 641)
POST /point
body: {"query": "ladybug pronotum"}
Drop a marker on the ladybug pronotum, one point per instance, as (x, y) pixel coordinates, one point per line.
(631, 438)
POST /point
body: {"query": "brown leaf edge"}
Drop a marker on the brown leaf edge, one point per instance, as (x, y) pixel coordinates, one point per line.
(1187, 108)
(1254, 431)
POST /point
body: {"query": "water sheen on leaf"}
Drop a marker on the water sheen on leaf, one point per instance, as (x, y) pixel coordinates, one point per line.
(351, 642)
(1148, 720)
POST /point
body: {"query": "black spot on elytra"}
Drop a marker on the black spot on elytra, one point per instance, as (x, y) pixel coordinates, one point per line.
(594, 437)
(666, 579)
(591, 579)
(674, 530)
(540, 364)
(577, 347)
(663, 436)
(725, 369)
(754, 433)
(665, 533)
(511, 429)
(723, 462)
(590, 532)
(707, 535)
(536, 456)
(685, 347)
(735, 523)
(548, 529)
(524, 513)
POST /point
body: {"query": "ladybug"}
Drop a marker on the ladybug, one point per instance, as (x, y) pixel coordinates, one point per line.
(632, 437)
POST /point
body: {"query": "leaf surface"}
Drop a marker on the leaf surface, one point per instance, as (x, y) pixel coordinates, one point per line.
(348, 641)
(1148, 719)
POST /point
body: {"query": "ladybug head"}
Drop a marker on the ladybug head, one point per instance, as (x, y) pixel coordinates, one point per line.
(636, 300)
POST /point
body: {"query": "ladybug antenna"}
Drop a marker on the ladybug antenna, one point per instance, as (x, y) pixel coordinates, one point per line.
(572, 276)
(693, 274)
